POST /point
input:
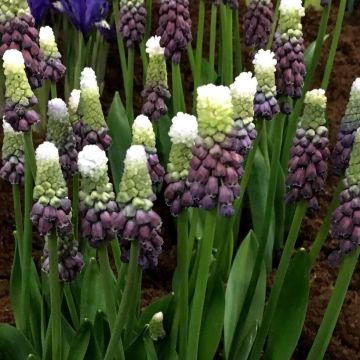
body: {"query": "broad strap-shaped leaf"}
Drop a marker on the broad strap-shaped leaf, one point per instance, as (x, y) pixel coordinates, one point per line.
(80, 343)
(163, 142)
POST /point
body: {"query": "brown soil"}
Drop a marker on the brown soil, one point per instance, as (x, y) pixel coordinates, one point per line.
(345, 342)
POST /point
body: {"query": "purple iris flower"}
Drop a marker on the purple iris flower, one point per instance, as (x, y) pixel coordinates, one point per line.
(84, 14)
(39, 8)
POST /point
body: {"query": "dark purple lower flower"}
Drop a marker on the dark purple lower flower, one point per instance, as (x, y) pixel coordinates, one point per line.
(54, 70)
(177, 195)
(243, 137)
(68, 160)
(155, 106)
(265, 106)
(12, 169)
(156, 170)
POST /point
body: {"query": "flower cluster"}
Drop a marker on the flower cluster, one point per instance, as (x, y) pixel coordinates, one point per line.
(136, 220)
(98, 207)
(19, 97)
(346, 218)
(257, 23)
(17, 31)
(215, 166)
(132, 21)
(54, 70)
(143, 134)
(52, 209)
(265, 103)
(156, 88)
(60, 133)
(243, 91)
(174, 28)
(310, 152)
(289, 49)
(349, 124)
(12, 157)
(91, 128)
(183, 132)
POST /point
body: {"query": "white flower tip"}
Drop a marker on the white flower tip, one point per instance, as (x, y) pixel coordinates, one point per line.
(14, 58)
(215, 95)
(158, 317)
(74, 99)
(135, 154)
(7, 127)
(142, 122)
(47, 151)
(245, 85)
(292, 5)
(57, 109)
(88, 78)
(91, 159)
(153, 46)
(265, 59)
(46, 35)
(356, 85)
(316, 96)
(184, 129)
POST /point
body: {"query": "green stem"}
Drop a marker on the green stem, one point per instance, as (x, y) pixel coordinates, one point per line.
(237, 43)
(148, 5)
(128, 299)
(55, 300)
(115, 247)
(174, 334)
(274, 25)
(120, 282)
(333, 309)
(79, 62)
(71, 305)
(53, 90)
(144, 59)
(191, 58)
(75, 205)
(279, 281)
(95, 51)
(129, 86)
(334, 44)
(177, 89)
(192, 232)
(2, 89)
(227, 49)
(213, 23)
(199, 46)
(18, 217)
(205, 254)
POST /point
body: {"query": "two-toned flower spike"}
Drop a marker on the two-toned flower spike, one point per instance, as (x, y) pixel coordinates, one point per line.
(216, 166)
(19, 98)
(98, 207)
(183, 132)
(174, 28)
(54, 69)
(143, 134)
(310, 152)
(137, 221)
(18, 32)
(60, 132)
(156, 90)
(12, 156)
(349, 124)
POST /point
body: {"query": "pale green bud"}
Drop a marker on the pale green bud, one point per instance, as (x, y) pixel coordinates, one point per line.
(73, 105)
(353, 107)
(314, 111)
(48, 44)
(143, 133)
(13, 142)
(265, 67)
(12, 8)
(156, 327)
(291, 12)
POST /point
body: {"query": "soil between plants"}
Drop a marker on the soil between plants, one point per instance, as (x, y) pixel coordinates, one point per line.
(345, 343)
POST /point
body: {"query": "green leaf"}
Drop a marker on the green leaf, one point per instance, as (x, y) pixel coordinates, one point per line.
(120, 132)
(208, 74)
(309, 52)
(80, 342)
(15, 284)
(239, 279)
(13, 344)
(290, 313)
(163, 139)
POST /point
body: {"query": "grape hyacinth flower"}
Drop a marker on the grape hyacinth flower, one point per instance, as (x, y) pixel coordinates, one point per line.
(12, 157)
(143, 134)
(243, 91)
(346, 218)
(60, 133)
(54, 70)
(215, 167)
(137, 221)
(156, 89)
(183, 132)
(265, 103)
(257, 23)
(19, 97)
(91, 128)
(132, 21)
(174, 28)
(310, 152)
(289, 49)
(98, 207)
(349, 124)
(17, 31)
(52, 208)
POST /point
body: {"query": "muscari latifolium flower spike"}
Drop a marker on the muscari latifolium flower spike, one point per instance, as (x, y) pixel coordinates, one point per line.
(19, 97)
(17, 31)
(60, 132)
(243, 91)
(257, 23)
(288, 47)
(12, 156)
(346, 218)
(54, 70)
(310, 152)
(183, 132)
(215, 167)
(98, 207)
(174, 28)
(265, 103)
(349, 124)
(92, 128)
(132, 21)
(143, 134)
(156, 327)
(137, 221)
(156, 88)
